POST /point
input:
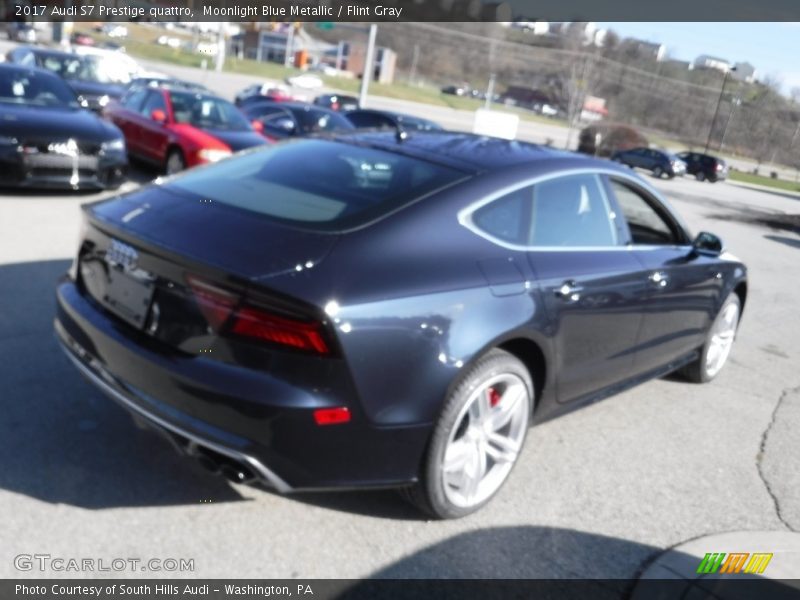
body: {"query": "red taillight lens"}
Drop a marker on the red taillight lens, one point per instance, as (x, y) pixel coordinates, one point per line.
(255, 323)
(334, 106)
(332, 416)
(223, 312)
(215, 303)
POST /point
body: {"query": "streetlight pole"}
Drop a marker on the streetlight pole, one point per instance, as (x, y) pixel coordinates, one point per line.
(716, 110)
(369, 66)
(734, 103)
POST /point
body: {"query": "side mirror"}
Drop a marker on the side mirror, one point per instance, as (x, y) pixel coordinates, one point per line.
(158, 115)
(258, 126)
(708, 244)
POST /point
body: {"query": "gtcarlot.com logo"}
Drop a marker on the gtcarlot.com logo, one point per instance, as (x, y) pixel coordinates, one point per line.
(60, 564)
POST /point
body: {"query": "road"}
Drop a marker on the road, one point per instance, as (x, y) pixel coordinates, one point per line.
(597, 493)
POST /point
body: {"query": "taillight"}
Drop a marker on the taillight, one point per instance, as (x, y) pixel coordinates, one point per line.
(215, 303)
(255, 323)
(719, 167)
(223, 312)
(334, 106)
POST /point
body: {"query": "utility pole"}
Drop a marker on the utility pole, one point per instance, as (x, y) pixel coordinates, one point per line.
(414, 59)
(369, 67)
(490, 91)
(734, 103)
(716, 110)
(220, 58)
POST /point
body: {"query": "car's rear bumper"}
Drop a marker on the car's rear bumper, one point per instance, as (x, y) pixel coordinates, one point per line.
(235, 416)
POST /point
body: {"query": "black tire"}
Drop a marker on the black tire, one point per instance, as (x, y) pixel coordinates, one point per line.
(175, 162)
(428, 494)
(658, 172)
(697, 372)
(700, 176)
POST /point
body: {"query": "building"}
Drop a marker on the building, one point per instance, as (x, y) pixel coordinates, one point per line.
(744, 72)
(704, 61)
(644, 49)
(351, 56)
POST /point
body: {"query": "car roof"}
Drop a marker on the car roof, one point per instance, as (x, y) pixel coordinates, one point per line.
(466, 151)
(49, 52)
(7, 66)
(289, 106)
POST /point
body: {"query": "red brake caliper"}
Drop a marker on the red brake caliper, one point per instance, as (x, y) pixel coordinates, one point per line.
(494, 397)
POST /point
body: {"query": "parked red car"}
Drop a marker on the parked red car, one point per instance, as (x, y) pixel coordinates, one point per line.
(178, 128)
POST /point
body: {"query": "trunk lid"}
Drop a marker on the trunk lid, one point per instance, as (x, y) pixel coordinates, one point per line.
(236, 241)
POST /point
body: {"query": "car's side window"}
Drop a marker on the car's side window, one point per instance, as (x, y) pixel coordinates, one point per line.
(647, 224)
(507, 217)
(133, 100)
(155, 101)
(572, 211)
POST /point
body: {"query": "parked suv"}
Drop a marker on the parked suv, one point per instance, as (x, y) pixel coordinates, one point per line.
(704, 167)
(658, 162)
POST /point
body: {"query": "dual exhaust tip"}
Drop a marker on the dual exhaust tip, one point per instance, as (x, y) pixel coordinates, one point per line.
(220, 464)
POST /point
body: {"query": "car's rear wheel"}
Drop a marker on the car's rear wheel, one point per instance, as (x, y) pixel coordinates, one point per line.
(175, 162)
(700, 176)
(719, 342)
(478, 438)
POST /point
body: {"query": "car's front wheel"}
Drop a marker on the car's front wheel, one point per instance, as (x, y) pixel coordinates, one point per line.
(175, 162)
(658, 172)
(719, 342)
(478, 438)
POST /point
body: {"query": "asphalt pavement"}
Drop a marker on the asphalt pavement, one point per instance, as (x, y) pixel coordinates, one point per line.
(597, 493)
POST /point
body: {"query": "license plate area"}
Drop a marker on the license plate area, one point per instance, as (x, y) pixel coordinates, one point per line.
(128, 297)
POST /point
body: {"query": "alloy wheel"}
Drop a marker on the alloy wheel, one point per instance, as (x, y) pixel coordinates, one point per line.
(486, 440)
(723, 333)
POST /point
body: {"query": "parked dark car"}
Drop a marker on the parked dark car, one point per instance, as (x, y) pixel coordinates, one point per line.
(377, 311)
(658, 162)
(94, 85)
(604, 139)
(281, 120)
(456, 90)
(337, 102)
(48, 141)
(263, 91)
(704, 167)
(384, 119)
(157, 80)
(175, 128)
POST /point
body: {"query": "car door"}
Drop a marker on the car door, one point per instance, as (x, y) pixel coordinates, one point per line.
(591, 286)
(683, 286)
(153, 134)
(278, 122)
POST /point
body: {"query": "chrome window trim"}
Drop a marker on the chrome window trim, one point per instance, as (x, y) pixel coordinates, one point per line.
(465, 214)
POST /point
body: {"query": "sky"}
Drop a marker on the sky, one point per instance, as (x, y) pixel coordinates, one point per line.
(772, 48)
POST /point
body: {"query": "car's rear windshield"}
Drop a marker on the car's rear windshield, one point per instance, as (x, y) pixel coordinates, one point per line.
(319, 184)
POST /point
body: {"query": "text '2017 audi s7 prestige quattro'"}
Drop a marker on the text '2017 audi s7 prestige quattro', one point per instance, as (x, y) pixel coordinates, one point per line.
(377, 310)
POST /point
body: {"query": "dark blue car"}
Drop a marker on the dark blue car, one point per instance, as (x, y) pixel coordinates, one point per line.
(658, 162)
(92, 83)
(377, 310)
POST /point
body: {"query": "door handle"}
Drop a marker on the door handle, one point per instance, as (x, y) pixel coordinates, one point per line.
(569, 291)
(659, 279)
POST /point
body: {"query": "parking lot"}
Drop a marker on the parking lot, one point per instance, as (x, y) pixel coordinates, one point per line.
(598, 493)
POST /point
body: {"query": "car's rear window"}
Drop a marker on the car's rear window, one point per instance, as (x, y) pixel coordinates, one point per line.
(319, 184)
